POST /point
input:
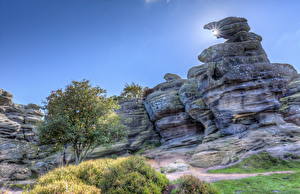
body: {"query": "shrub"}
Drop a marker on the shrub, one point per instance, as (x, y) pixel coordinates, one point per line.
(112, 176)
(66, 187)
(133, 176)
(189, 184)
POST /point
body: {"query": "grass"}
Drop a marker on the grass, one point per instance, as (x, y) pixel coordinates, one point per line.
(261, 162)
(276, 183)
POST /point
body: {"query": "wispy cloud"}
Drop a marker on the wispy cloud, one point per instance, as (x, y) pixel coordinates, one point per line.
(152, 1)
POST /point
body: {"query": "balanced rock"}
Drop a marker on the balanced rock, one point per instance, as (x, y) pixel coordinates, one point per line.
(228, 27)
(171, 77)
(241, 91)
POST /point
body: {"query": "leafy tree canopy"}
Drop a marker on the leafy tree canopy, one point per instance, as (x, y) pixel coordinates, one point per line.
(132, 90)
(80, 116)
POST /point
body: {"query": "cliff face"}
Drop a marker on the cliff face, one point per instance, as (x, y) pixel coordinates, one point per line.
(232, 105)
(20, 156)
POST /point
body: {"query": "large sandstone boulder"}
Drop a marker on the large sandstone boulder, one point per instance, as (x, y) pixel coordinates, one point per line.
(166, 110)
(139, 127)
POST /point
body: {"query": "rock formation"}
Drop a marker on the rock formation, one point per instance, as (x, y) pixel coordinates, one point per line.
(243, 102)
(175, 127)
(20, 155)
(234, 104)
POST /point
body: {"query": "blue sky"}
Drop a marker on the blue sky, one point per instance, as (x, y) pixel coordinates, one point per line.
(45, 44)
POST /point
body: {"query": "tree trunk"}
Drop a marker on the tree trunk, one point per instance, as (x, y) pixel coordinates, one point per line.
(77, 157)
(64, 155)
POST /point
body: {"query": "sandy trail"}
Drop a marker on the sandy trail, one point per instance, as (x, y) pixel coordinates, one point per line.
(202, 173)
(4, 191)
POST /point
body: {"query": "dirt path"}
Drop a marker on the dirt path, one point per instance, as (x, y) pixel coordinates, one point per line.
(202, 173)
(5, 191)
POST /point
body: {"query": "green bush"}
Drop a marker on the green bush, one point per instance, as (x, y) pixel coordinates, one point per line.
(65, 187)
(189, 184)
(112, 176)
(133, 176)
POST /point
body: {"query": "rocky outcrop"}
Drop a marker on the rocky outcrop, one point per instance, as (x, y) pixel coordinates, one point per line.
(290, 102)
(244, 102)
(19, 150)
(136, 120)
(234, 104)
(166, 111)
(242, 90)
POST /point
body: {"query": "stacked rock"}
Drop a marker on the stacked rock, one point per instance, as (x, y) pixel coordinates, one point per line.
(290, 102)
(19, 150)
(239, 83)
(234, 29)
(174, 125)
(18, 121)
(239, 89)
(140, 128)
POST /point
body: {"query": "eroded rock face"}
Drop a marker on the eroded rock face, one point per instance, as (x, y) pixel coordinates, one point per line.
(140, 131)
(171, 77)
(290, 102)
(241, 89)
(5, 98)
(244, 102)
(19, 149)
(140, 128)
(166, 110)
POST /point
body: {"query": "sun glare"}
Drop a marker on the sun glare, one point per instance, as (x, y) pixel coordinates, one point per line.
(215, 32)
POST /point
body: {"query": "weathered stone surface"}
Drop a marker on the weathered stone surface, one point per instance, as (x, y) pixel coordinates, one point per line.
(290, 102)
(176, 166)
(167, 111)
(163, 103)
(228, 27)
(234, 52)
(136, 120)
(171, 77)
(11, 172)
(241, 90)
(194, 105)
(229, 149)
(18, 139)
(5, 98)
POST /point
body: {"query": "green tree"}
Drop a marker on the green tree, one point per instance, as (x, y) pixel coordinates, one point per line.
(132, 90)
(80, 116)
